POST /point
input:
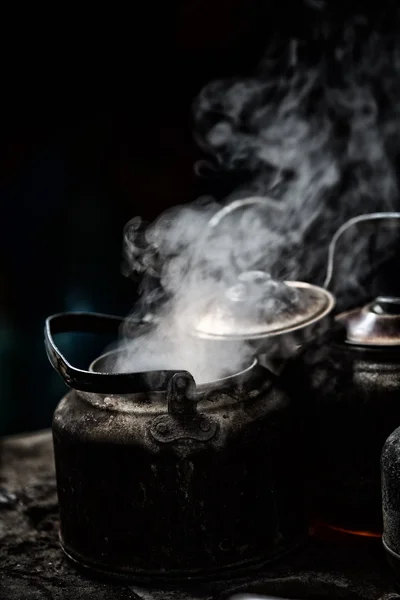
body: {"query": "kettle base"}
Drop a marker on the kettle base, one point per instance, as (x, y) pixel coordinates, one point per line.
(238, 570)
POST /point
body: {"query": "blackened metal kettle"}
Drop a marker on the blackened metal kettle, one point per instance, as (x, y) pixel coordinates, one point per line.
(160, 478)
(352, 381)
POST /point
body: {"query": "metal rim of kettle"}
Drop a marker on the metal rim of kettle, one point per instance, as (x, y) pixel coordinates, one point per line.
(240, 376)
(211, 396)
(325, 311)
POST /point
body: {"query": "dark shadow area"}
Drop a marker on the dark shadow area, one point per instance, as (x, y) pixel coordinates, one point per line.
(93, 134)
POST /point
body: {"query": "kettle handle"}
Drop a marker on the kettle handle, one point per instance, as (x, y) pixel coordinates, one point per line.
(261, 201)
(219, 216)
(378, 216)
(88, 381)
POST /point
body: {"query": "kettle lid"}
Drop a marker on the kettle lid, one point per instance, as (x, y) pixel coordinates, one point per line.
(259, 307)
(376, 324)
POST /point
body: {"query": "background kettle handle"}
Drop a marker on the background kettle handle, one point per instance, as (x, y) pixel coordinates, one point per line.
(354, 221)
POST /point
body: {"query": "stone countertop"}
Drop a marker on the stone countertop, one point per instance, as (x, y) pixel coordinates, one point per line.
(33, 567)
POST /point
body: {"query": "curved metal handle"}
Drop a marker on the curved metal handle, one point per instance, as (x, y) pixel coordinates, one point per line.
(343, 228)
(235, 205)
(217, 217)
(197, 249)
(88, 381)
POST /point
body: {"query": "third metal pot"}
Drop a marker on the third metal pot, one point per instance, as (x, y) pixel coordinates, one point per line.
(353, 381)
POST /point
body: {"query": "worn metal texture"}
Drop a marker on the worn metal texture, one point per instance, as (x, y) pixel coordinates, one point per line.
(376, 324)
(33, 567)
(147, 491)
(390, 467)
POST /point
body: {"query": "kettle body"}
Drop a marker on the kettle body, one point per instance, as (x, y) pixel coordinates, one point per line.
(173, 480)
(354, 405)
(353, 381)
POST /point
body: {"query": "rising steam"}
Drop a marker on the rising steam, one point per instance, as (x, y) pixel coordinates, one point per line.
(318, 130)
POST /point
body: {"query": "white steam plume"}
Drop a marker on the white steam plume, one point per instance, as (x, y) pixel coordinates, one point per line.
(320, 136)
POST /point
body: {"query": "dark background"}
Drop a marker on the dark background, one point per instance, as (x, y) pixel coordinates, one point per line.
(96, 127)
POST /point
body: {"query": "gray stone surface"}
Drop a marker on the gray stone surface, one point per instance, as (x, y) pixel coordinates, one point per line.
(32, 566)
